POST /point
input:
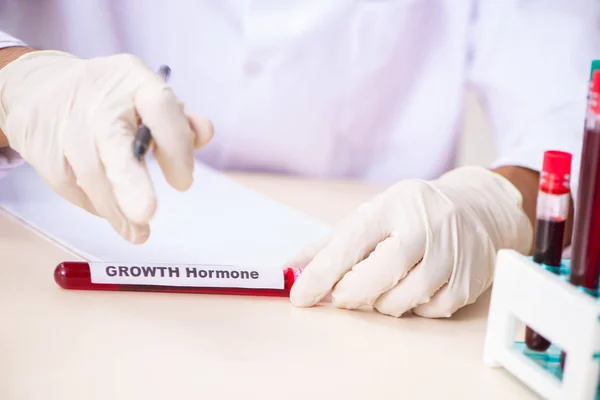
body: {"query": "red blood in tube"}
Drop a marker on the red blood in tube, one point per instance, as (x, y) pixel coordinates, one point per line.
(585, 258)
(551, 212)
(585, 254)
(77, 276)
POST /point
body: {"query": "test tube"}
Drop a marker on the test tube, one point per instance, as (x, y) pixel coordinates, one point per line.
(80, 275)
(551, 215)
(585, 253)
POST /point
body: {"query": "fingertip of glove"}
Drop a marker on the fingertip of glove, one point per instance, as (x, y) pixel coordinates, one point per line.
(180, 177)
(182, 184)
(141, 238)
(300, 302)
(136, 233)
(301, 296)
(139, 211)
(203, 128)
(343, 300)
(435, 310)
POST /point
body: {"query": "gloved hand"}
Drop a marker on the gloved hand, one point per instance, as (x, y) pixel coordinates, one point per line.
(74, 121)
(423, 246)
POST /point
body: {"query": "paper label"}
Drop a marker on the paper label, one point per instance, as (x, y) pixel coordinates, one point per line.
(222, 276)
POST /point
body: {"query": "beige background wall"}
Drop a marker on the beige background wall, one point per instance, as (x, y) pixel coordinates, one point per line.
(476, 144)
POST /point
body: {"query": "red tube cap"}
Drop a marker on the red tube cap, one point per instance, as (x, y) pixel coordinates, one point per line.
(595, 84)
(557, 162)
(556, 172)
(594, 100)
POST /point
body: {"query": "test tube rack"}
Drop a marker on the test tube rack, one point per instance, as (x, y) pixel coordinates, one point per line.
(567, 316)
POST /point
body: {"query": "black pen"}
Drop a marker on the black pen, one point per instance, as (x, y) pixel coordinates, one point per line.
(143, 137)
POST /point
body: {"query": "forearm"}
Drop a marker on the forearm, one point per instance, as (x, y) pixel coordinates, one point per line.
(7, 55)
(527, 181)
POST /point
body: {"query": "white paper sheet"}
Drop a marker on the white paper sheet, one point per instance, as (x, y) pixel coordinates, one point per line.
(217, 221)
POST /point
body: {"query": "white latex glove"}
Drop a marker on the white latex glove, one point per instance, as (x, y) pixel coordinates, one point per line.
(74, 121)
(423, 246)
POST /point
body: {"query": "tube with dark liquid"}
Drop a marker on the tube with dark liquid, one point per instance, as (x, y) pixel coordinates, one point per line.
(585, 254)
(586, 240)
(551, 213)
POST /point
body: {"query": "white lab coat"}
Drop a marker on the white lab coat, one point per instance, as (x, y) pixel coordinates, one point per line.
(369, 89)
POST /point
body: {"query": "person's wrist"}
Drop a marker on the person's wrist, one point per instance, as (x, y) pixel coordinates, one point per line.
(23, 79)
(8, 55)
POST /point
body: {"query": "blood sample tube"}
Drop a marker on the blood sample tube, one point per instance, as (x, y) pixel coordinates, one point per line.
(201, 279)
(551, 215)
(585, 253)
